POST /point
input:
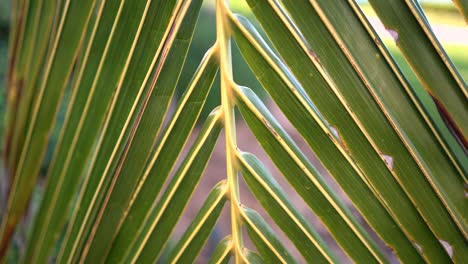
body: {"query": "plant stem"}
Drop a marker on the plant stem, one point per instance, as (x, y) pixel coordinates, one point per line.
(224, 44)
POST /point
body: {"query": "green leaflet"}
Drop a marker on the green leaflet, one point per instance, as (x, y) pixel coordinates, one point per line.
(251, 257)
(57, 70)
(147, 242)
(197, 233)
(428, 60)
(222, 252)
(366, 134)
(269, 246)
(283, 212)
(61, 184)
(130, 168)
(115, 130)
(168, 148)
(34, 45)
(290, 97)
(307, 182)
(392, 95)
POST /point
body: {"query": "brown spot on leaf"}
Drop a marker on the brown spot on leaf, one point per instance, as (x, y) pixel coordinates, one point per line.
(450, 123)
(5, 242)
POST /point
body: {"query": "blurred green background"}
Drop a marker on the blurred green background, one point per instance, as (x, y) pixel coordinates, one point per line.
(4, 24)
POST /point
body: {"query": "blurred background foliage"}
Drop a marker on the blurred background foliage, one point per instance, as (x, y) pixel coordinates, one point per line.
(4, 24)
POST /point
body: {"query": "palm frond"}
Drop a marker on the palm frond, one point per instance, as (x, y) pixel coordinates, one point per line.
(127, 164)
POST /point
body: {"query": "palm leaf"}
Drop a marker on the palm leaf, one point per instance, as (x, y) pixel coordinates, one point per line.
(125, 166)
